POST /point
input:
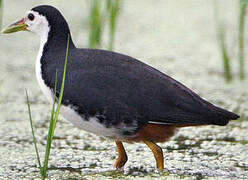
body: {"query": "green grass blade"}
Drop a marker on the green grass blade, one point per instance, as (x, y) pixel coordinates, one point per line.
(51, 126)
(97, 19)
(1, 13)
(32, 128)
(95, 24)
(113, 8)
(243, 2)
(225, 56)
(55, 117)
(54, 97)
(221, 36)
(63, 82)
(242, 15)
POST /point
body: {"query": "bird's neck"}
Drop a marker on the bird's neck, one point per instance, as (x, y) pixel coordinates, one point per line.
(55, 38)
(52, 49)
(57, 41)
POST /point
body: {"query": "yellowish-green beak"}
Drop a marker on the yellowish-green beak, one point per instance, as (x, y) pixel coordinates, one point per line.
(15, 27)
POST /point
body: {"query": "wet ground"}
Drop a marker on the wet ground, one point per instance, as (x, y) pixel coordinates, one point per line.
(178, 38)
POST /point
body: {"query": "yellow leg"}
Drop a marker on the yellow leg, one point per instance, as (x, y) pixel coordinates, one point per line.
(158, 154)
(122, 156)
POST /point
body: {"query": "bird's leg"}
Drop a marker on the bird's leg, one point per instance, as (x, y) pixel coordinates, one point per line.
(158, 154)
(122, 156)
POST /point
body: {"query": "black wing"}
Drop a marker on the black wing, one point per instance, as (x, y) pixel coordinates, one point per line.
(121, 88)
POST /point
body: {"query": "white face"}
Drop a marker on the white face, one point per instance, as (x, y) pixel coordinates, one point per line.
(37, 23)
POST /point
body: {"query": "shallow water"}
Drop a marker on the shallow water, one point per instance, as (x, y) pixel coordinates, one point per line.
(176, 37)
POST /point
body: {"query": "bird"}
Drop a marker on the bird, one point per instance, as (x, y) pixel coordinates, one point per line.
(111, 94)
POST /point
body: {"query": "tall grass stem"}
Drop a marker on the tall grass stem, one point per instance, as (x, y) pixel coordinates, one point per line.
(32, 129)
(1, 13)
(242, 15)
(54, 118)
(221, 36)
(113, 8)
(225, 55)
(96, 24)
(51, 127)
(99, 14)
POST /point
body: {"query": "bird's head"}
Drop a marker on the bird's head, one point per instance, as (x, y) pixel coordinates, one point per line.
(40, 20)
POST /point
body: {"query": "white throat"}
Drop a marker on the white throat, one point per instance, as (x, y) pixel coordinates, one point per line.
(45, 89)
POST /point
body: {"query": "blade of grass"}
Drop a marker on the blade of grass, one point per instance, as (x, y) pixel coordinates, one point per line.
(225, 56)
(54, 120)
(43, 175)
(51, 126)
(113, 8)
(242, 15)
(98, 14)
(221, 36)
(32, 128)
(54, 97)
(96, 24)
(1, 13)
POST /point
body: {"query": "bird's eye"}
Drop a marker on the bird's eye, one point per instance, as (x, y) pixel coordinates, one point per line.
(31, 17)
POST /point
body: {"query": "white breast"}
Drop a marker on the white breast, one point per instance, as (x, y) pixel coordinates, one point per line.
(91, 125)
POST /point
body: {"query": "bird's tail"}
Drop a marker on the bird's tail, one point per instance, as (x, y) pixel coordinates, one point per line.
(222, 116)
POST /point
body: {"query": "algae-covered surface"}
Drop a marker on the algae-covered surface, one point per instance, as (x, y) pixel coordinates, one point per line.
(176, 37)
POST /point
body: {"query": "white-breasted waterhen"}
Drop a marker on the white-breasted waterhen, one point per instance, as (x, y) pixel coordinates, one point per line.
(111, 94)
